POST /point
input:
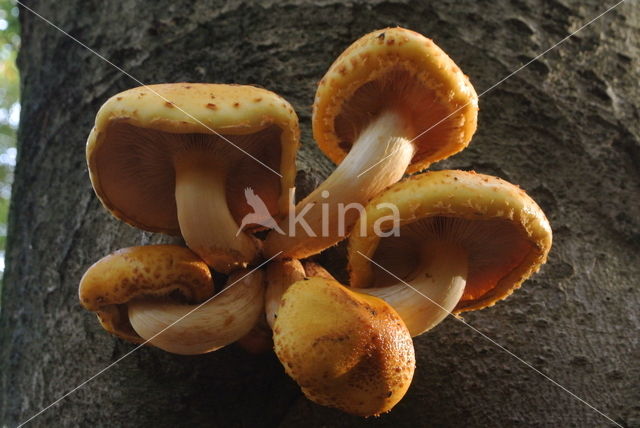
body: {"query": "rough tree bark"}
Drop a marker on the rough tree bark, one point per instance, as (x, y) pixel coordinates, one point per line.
(565, 128)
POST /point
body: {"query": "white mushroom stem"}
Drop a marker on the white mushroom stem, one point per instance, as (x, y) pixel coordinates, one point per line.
(434, 289)
(205, 221)
(220, 321)
(378, 158)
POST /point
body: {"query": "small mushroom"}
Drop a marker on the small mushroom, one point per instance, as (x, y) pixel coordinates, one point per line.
(153, 293)
(393, 102)
(196, 159)
(464, 241)
(345, 350)
(154, 271)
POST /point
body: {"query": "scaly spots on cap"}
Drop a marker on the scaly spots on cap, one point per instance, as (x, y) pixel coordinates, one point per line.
(236, 104)
(211, 106)
(169, 104)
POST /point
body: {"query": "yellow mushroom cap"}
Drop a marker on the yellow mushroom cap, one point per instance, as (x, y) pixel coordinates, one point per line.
(153, 271)
(401, 70)
(344, 349)
(505, 233)
(129, 148)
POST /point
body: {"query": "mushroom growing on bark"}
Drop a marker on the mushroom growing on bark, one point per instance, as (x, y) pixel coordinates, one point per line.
(393, 102)
(153, 293)
(158, 271)
(345, 349)
(465, 241)
(196, 159)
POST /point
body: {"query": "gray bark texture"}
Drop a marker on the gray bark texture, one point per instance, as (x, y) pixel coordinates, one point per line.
(566, 128)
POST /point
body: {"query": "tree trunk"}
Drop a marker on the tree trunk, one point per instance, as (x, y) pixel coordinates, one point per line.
(566, 128)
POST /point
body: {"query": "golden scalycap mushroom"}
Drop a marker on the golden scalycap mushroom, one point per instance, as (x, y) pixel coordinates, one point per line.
(345, 350)
(396, 69)
(163, 295)
(156, 162)
(393, 102)
(469, 239)
(151, 271)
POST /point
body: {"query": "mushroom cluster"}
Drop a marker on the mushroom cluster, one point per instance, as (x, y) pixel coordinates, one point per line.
(215, 164)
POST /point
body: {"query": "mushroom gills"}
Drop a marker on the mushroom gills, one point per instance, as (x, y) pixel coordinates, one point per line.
(209, 177)
(448, 259)
(429, 121)
(198, 329)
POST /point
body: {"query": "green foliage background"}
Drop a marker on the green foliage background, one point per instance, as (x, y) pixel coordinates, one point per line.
(9, 108)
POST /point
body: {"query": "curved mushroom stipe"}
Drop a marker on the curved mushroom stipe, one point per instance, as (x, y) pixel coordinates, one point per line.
(332, 209)
(434, 290)
(392, 102)
(198, 329)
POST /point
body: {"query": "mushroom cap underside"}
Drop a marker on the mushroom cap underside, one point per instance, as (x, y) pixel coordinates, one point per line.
(396, 69)
(505, 233)
(136, 133)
